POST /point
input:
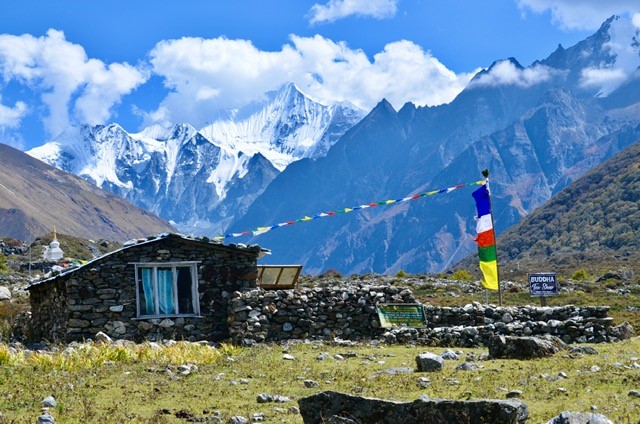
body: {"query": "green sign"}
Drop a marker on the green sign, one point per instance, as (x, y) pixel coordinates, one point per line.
(401, 315)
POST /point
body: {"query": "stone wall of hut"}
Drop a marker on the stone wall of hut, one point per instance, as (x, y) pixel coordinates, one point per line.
(49, 319)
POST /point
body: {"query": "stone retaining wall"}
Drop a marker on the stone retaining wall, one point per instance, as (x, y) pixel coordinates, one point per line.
(346, 312)
(349, 312)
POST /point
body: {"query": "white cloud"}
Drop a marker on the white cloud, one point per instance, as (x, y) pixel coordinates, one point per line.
(68, 80)
(10, 117)
(580, 14)
(11, 138)
(623, 45)
(105, 86)
(507, 73)
(207, 75)
(636, 20)
(605, 80)
(339, 9)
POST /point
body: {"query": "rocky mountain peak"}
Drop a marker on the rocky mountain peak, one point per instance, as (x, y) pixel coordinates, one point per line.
(201, 179)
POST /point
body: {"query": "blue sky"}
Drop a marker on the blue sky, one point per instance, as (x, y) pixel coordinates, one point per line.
(143, 62)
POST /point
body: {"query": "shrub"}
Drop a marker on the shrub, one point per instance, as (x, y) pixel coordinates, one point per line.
(402, 274)
(3, 263)
(331, 273)
(581, 275)
(462, 275)
(5, 356)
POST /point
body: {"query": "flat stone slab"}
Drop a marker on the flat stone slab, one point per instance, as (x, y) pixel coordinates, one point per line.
(329, 406)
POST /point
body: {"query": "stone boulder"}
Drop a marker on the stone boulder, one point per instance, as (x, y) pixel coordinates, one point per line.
(512, 347)
(623, 331)
(103, 338)
(322, 407)
(428, 362)
(567, 417)
(5, 293)
(46, 419)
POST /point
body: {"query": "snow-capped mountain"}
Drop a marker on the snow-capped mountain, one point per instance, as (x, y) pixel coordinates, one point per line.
(200, 180)
(536, 128)
(284, 126)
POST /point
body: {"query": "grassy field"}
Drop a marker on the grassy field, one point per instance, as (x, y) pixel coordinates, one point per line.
(142, 384)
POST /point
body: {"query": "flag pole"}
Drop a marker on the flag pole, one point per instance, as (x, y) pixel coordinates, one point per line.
(485, 174)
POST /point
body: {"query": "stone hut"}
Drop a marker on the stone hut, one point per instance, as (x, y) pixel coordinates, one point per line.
(168, 286)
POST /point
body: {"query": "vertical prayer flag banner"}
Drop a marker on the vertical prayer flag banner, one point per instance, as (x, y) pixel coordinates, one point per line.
(486, 239)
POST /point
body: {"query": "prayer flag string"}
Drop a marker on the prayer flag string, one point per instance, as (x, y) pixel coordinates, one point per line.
(262, 230)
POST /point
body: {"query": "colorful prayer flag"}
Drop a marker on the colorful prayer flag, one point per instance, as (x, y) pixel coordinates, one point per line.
(486, 239)
(262, 230)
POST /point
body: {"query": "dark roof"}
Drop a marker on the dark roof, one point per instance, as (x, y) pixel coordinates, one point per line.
(253, 249)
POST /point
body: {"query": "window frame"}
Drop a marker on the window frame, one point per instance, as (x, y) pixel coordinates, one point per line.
(195, 298)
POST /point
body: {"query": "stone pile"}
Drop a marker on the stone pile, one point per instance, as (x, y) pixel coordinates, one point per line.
(349, 312)
(13, 248)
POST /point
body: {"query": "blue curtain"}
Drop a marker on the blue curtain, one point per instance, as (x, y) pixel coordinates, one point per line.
(147, 287)
(165, 291)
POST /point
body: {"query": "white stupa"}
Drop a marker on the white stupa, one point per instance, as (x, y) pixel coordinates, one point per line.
(53, 252)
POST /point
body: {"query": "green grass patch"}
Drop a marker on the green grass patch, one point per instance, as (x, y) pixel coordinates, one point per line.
(140, 384)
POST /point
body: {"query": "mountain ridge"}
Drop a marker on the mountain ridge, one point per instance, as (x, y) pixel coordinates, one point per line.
(536, 130)
(201, 179)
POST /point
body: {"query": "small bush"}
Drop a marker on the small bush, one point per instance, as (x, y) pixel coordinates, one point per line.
(461, 275)
(402, 274)
(581, 275)
(5, 356)
(6, 330)
(331, 273)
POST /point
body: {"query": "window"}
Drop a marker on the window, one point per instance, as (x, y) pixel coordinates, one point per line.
(165, 289)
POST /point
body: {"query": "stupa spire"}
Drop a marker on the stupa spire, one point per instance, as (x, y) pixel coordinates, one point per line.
(53, 251)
